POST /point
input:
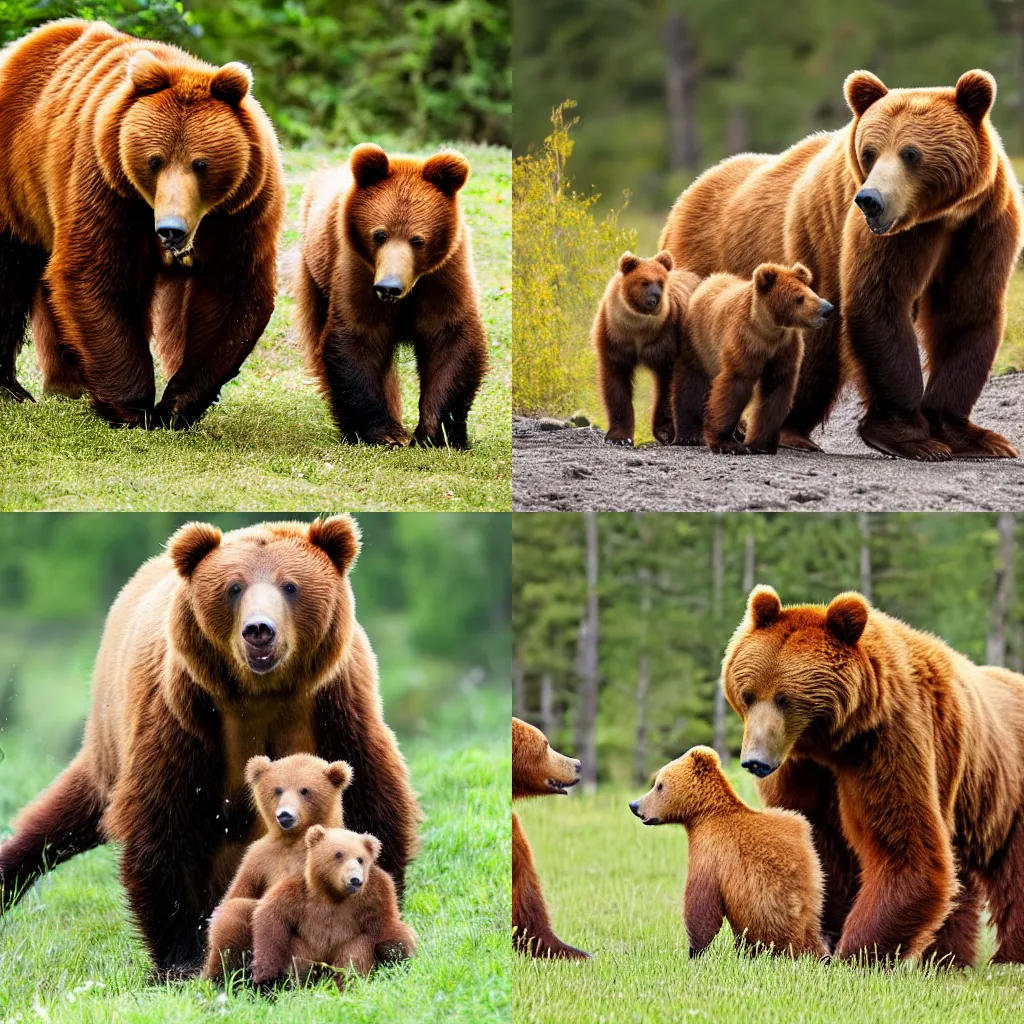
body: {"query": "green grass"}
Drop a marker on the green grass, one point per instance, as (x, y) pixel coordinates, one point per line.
(270, 444)
(615, 889)
(68, 951)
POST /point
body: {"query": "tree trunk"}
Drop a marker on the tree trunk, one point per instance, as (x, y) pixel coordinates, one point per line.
(548, 724)
(681, 94)
(588, 666)
(518, 687)
(864, 521)
(996, 646)
(718, 585)
(748, 564)
(643, 676)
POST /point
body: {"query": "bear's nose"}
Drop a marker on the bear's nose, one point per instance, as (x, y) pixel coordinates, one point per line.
(286, 819)
(172, 231)
(388, 287)
(870, 202)
(634, 806)
(758, 768)
(825, 309)
(259, 632)
(355, 883)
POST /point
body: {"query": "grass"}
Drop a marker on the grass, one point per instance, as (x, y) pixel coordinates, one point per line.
(271, 444)
(615, 889)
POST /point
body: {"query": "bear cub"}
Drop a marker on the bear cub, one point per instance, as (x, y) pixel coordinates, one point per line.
(335, 913)
(748, 338)
(291, 795)
(641, 321)
(756, 869)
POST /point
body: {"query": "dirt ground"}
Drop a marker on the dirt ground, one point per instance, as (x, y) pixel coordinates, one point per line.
(570, 469)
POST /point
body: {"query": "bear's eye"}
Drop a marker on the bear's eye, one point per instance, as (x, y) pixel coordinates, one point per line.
(155, 163)
(304, 791)
(278, 791)
(781, 702)
(660, 786)
(360, 859)
(235, 589)
(199, 166)
(798, 301)
(290, 588)
(380, 236)
(868, 157)
(337, 856)
(748, 698)
(417, 242)
(910, 155)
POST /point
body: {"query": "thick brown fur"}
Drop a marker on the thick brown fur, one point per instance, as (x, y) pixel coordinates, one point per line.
(335, 913)
(641, 322)
(290, 795)
(756, 869)
(938, 165)
(906, 758)
(181, 701)
(537, 770)
(749, 339)
(386, 259)
(105, 139)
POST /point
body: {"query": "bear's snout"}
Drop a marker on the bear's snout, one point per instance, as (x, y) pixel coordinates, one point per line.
(634, 806)
(260, 641)
(759, 768)
(287, 818)
(652, 296)
(259, 632)
(172, 231)
(388, 288)
(825, 310)
(870, 202)
(355, 883)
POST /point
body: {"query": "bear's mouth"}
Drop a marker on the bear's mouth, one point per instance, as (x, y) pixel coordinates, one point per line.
(261, 659)
(881, 227)
(560, 787)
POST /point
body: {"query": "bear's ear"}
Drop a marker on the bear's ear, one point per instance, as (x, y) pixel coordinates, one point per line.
(372, 844)
(147, 73)
(191, 544)
(763, 606)
(628, 262)
(338, 538)
(975, 94)
(314, 835)
(665, 259)
(339, 773)
(846, 617)
(231, 83)
(255, 768)
(448, 171)
(765, 277)
(803, 273)
(704, 761)
(861, 90)
(369, 164)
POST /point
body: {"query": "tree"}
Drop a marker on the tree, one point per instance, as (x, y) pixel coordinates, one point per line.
(588, 662)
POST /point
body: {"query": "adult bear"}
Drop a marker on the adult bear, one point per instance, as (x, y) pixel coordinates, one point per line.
(141, 198)
(224, 648)
(910, 219)
(907, 759)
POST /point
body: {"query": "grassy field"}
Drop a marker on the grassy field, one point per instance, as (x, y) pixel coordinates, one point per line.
(271, 444)
(614, 888)
(69, 952)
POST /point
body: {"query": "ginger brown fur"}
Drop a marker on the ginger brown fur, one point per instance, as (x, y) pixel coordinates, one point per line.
(386, 258)
(335, 913)
(141, 199)
(937, 233)
(641, 322)
(756, 869)
(748, 337)
(226, 647)
(537, 770)
(290, 795)
(906, 758)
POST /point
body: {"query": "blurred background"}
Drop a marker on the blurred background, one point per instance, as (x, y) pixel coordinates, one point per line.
(334, 71)
(620, 620)
(432, 592)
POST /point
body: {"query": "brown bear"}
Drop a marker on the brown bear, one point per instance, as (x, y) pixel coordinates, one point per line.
(141, 198)
(225, 647)
(336, 912)
(748, 335)
(386, 258)
(756, 869)
(291, 795)
(537, 770)
(911, 216)
(641, 321)
(907, 760)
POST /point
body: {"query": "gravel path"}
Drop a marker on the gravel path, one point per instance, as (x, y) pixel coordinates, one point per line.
(570, 469)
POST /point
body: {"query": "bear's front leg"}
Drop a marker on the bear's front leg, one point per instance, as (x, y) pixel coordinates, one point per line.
(961, 319)
(775, 393)
(615, 376)
(451, 362)
(690, 389)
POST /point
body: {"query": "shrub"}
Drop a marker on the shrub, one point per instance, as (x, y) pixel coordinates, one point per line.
(561, 260)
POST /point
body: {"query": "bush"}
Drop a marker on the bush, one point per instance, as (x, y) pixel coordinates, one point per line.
(561, 260)
(165, 20)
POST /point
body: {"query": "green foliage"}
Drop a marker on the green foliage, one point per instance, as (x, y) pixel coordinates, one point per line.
(166, 20)
(562, 258)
